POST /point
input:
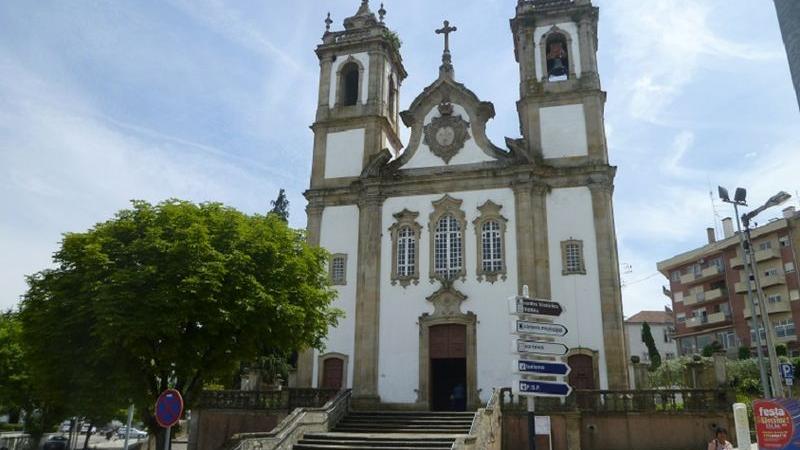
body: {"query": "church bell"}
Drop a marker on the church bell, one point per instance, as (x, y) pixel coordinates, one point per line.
(557, 68)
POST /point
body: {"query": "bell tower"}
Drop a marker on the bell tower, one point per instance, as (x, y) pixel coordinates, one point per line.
(357, 112)
(561, 103)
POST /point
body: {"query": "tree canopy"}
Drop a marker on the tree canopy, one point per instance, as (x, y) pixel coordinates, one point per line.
(172, 295)
(280, 206)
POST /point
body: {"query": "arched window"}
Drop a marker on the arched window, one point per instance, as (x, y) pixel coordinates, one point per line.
(392, 101)
(557, 57)
(350, 74)
(490, 229)
(406, 252)
(447, 247)
(492, 247)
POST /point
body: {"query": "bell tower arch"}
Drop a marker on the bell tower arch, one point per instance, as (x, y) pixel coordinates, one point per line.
(360, 73)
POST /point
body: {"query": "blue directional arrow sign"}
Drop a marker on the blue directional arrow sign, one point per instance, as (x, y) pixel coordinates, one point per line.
(535, 388)
(527, 367)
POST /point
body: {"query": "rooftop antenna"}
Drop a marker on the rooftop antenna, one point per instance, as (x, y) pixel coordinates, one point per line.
(715, 214)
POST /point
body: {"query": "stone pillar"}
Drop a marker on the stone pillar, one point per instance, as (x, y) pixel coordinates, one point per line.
(789, 19)
(610, 293)
(641, 374)
(526, 266)
(541, 246)
(367, 317)
(720, 369)
(305, 359)
(574, 425)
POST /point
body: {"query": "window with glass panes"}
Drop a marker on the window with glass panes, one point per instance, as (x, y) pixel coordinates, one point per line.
(491, 240)
(339, 269)
(447, 247)
(784, 328)
(573, 257)
(406, 252)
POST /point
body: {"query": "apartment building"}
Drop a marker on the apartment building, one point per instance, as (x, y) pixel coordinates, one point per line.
(708, 287)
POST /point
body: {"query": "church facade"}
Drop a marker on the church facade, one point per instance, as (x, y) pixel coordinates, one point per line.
(430, 239)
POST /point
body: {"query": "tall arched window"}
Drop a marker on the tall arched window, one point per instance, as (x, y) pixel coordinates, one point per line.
(492, 247)
(447, 247)
(490, 229)
(556, 57)
(406, 252)
(350, 80)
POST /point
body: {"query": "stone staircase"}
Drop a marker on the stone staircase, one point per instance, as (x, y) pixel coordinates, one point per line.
(392, 431)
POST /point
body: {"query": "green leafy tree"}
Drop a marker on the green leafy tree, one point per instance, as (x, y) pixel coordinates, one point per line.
(744, 352)
(714, 347)
(176, 295)
(650, 343)
(781, 350)
(280, 206)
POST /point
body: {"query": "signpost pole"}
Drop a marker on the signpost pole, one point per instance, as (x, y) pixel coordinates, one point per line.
(531, 423)
(128, 429)
(166, 439)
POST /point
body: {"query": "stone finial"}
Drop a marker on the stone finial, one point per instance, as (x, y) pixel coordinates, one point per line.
(446, 69)
(364, 8)
(382, 13)
(328, 22)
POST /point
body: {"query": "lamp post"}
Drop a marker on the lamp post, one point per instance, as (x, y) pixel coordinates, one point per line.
(775, 200)
(740, 199)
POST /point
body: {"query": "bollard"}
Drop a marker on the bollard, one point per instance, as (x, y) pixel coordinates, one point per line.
(742, 426)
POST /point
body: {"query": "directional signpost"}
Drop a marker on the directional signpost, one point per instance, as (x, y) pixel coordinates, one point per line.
(534, 336)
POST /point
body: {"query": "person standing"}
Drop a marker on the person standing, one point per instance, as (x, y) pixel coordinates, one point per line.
(720, 441)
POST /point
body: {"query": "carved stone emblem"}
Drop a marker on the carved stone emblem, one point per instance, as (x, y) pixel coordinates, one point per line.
(446, 135)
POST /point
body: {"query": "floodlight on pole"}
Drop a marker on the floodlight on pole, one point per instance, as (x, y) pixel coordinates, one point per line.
(741, 195)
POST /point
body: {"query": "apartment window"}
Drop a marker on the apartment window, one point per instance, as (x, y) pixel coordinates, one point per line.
(338, 269)
(405, 234)
(447, 224)
(676, 275)
(771, 273)
(667, 335)
(784, 328)
(794, 294)
(717, 262)
(784, 241)
(774, 298)
(729, 339)
(753, 335)
(680, 317)
(788, 267)
(765, 245)
(572, 257)
(490, 230)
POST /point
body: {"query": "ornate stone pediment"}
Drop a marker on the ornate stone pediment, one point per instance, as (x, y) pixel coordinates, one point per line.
(446, 134)
(447, 302)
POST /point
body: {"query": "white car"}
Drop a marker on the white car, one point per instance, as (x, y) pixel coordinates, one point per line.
(135, 434)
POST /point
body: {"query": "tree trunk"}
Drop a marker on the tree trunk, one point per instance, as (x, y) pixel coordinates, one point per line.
(88, 436)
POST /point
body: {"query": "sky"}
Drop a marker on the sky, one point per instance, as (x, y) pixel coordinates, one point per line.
(104, 101)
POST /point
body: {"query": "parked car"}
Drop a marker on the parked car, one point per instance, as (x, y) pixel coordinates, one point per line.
(135, 434)
(56, 443)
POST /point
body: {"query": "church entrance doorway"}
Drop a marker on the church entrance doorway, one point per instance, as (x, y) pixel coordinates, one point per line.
(448, 367)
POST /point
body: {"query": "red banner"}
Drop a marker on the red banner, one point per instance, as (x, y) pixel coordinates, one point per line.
(774, 424)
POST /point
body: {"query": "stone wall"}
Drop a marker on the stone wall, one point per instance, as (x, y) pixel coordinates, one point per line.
(211, 429)
(618, 431)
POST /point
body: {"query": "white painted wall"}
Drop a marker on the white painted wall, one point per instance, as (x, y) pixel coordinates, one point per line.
(563, 131)
(362, 58)
(574, 52)
(339, 234)
(469, 154)
(344, 153)
(569, 215)
(636, 347)
(401, 307)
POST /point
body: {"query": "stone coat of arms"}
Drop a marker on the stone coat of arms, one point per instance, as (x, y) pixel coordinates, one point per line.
(446, 135)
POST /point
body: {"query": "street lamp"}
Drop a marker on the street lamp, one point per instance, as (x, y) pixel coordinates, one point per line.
(775, 200)
(740, 199)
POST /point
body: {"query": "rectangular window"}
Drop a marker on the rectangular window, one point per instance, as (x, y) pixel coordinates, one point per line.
(788, 267)
(572, 257)
(784, 328)
(794, 294)
(771, 273)
(338, 269)
(676, 275)
(774, 298)
(492, 247)
(784, 240)
(753, 336)
(765, 245)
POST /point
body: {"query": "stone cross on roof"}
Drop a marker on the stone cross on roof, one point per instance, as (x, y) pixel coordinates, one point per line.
(446, 68)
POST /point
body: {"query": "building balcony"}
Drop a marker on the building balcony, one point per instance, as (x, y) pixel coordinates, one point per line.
(717, 317)
(761, 256)
(705, 296)
(766, 282)
(772, 308)
(704, 275)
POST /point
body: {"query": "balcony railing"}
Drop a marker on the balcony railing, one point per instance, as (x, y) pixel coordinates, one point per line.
(652, 400)
(772, 307)
(286, 399)
(704, 296)
(704, 275)
(709, 319)
(766, 281)
(761, 255)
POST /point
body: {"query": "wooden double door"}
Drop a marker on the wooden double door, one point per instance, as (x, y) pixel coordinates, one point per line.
(448, 366)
